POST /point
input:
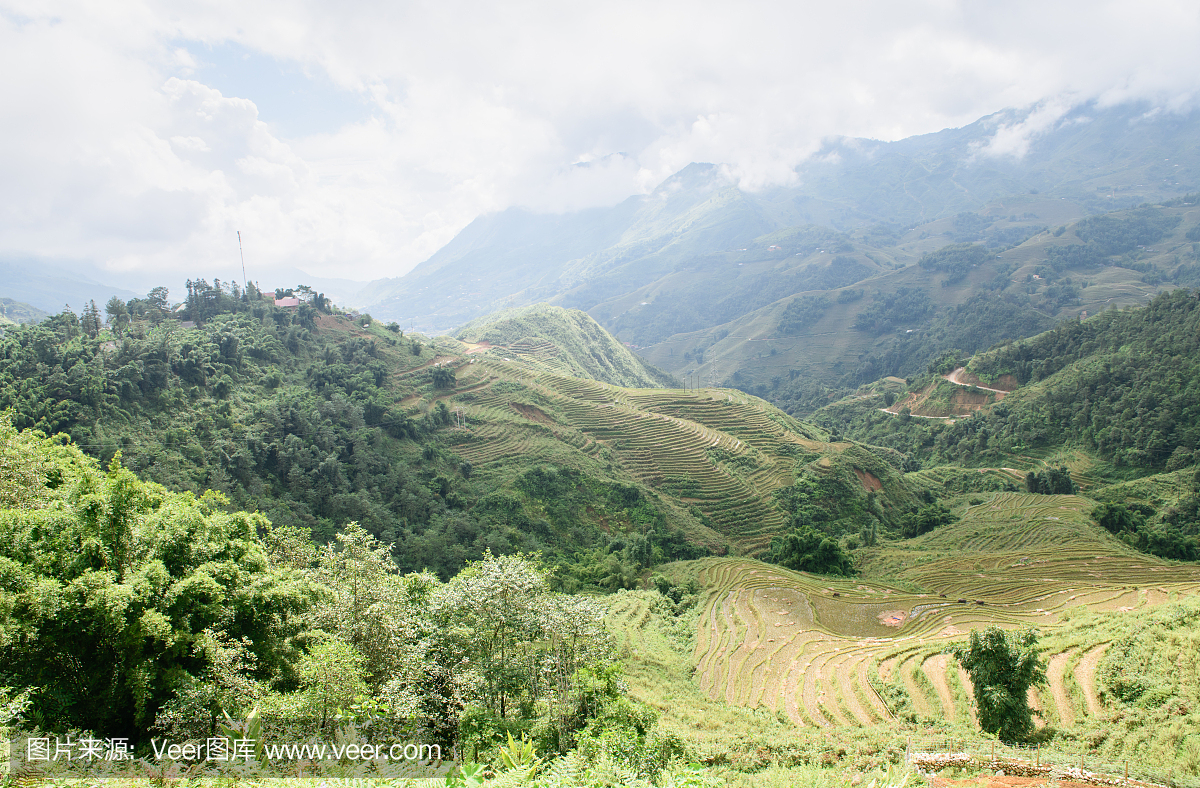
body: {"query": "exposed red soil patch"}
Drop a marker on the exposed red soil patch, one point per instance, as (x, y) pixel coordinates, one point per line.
(478, 347)
(1004, 385)
(868, 479)
(532, 413)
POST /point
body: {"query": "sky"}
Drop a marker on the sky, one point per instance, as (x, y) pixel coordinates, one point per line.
(353, 139)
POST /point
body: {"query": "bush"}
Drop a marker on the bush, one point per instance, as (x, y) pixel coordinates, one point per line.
(1051, 481)
(925, 520)
(1003, 666)
(806, 550)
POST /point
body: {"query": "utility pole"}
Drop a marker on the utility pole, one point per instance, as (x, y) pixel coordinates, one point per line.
(242, 255)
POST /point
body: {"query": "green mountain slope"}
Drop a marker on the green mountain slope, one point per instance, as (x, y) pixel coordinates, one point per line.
(13, 312)
(566, 341)
(317, 420)
(962, 296)
(1112, 397)
(1122, 384)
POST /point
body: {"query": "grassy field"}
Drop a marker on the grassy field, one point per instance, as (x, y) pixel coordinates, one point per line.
(862, 654)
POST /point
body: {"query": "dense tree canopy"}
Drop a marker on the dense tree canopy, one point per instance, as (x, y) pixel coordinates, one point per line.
(109, 584)
(128, 610)
(305, 424)
(1003, 666)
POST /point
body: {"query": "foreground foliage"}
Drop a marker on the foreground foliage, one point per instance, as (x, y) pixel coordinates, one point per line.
(129, 610)
(1003, 666)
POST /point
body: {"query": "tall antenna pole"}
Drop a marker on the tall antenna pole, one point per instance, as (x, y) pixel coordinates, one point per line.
(242, 255)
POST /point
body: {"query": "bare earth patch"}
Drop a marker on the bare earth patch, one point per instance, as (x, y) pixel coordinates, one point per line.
(1085, 674)
(868, 479)
(1055, 672)
(935, 669)
(1005, 782)
(532, 413)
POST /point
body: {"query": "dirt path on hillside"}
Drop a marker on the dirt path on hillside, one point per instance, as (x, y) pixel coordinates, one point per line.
(1055, 673)
(955, 377)
(1039, 711)
(969, 689)
(1085, 674)
(935, 669)
(918, 416)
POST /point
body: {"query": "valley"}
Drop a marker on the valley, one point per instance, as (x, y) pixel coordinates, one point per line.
(697, 490)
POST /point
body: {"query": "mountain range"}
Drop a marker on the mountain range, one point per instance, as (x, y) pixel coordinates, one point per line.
(698, 274)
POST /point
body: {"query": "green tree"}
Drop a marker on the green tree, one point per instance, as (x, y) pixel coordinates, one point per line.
(90, 321)
(1051, 481)
(112, 586)
(118, 314)
(1003, 666)
(925, 520)
(331, 677)
(443, 378)
(498, 602)
(22, 468)
(226, 686)
(807, 550)
(158, 298)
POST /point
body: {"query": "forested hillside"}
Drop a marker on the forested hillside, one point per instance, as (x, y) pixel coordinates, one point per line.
(312, 464)
(1124, 383)
(16, 312)
(443, 450)
(130, 611)
(1122, 387)
(962, 284)
(314, 420)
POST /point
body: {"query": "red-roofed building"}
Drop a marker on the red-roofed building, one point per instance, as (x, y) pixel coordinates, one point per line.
(287, 302)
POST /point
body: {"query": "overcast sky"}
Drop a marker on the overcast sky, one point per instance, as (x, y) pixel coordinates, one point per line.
(354, 138)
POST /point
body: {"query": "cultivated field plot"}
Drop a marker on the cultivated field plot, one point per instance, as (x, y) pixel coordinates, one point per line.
(722, 452)
(821, 651)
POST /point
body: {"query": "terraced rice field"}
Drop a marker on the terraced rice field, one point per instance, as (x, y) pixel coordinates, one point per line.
(818, 649)
(664, 438)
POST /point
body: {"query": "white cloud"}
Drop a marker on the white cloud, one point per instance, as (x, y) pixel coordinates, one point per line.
(1014, 139)
(116, 149)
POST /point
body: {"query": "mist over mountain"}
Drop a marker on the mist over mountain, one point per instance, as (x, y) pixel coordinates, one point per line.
(52, 288)
(1093, 159)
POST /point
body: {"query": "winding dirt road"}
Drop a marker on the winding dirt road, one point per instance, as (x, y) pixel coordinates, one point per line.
(955, 377)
